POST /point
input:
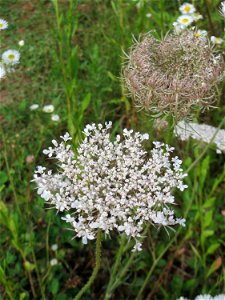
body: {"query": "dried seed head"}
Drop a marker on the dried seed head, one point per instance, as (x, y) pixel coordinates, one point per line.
(173, 75)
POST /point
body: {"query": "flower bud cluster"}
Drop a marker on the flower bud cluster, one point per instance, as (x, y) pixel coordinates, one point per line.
(112, 185)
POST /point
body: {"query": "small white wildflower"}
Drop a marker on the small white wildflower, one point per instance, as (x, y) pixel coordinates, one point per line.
(34, 106)
(54, 247)
(148, 15)
(201, 33)
(2, 71)
(54, 262)
(3, 24)
(137, 247)
(197, 16)
(21, 43)
(66, 137)
(187, 8)
(112, 185)
(222, 9)
(40, 169)
(216, 40)
(178, 28)
(201, 132)
(48, 108)
(11, 57)
(185, 20)
(55, 118)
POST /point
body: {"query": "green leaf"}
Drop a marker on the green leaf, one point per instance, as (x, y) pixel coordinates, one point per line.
(214, 266)
(195, 250)
(207, 219)
(212, 248)
(85, 103)
(209, 202)
(3, 177)
(54, 287)
(204, 171)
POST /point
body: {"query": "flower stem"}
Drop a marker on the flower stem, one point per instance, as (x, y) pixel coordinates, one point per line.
(96, 268)
(115, 267)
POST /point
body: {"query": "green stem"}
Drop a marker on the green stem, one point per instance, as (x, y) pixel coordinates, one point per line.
(121, 274)
(96, 268)
(115, 268)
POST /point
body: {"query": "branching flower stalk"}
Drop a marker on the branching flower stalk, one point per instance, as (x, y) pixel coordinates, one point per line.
(96, 269)
(112, 185)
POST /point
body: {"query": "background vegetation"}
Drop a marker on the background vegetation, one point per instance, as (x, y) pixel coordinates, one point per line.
(72, 59)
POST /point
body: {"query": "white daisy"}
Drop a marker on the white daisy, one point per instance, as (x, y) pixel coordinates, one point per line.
(148, 15)
(197, 16)
(201, 33)
(187, 8)
(11, 57)
(55, 118)
(185, 20)
(2, 71)
(216, 40)
(21, 43)
(3, 24)
(48, 108)
(34, 106)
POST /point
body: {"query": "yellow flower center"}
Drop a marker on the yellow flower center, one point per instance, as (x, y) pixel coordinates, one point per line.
(185, 20)
(1, 25)
(11, 56)
(187, 8)
(197, 34)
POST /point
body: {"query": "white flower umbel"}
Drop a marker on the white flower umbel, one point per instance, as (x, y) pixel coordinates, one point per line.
(3, 24)
(11, 57)
(2, 71)
(222, 9)
(112, 185)
(34, 106)
(48, 108)
(187, 8)
(55, 118)
(185, 20)
(201, 132)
